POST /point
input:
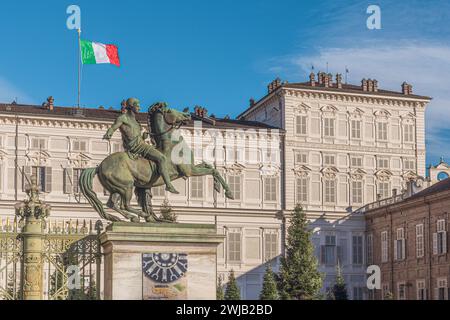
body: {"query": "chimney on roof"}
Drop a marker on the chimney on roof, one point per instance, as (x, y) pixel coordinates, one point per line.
(200, 112)
(49, 104)
(370, 85)
(339, 80)
(406, 88)
(375, 85)
(274, 85)
(252, 102)
(312, 79)
(364, 85)
(326, 80)
(320, 77)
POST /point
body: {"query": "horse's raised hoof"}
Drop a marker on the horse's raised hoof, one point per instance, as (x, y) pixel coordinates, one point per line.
(229, 195)
(112, 218)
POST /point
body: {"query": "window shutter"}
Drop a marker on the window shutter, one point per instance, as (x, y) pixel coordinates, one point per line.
(435, 246)
(395, 250)
(26, 174)
(444, 242)
(436, 294)
(322, 255)
(48, 179)
(403, 257)
(68, 180)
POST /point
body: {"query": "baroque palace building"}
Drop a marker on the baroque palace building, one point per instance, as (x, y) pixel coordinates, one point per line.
(345, 146)
(329, 146)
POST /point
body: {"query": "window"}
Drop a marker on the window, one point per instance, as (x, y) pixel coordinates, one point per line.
(302, 189)
(356, 129)
(79, 145)
(383, 190)
(270, 245)
(440, 238)
(408, 133)
(328, 254)
(369, 248)
(43, 177)
(357, 249)
(301, 125)
(356, 162)
(383, 163)
(384, 247)
(382, 133)
(159, 191)
(330, 191)
(196, 187)
(329, 160)
(270, 189)
(38, 143)
(401, 290)
(328, 127)
(409, 164)
(357, 191)
(399, 245)
(301, 158)
(234, 246)
(76, 179)
(421, 290)
(234, 182)
(419, 241)
(358, 293)
(442, 293)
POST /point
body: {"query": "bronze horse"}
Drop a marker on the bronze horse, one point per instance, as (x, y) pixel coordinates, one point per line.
(119, 173)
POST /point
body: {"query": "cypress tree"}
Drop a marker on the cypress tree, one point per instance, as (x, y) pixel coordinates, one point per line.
(269, 290)
(299, 276)
(232, 291)
(339, 288)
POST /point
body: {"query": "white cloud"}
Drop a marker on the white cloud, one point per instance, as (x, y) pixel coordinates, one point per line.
(9, 93)
(425, 66)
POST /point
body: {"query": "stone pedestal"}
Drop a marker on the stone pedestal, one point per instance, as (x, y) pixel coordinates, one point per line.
(160, 261)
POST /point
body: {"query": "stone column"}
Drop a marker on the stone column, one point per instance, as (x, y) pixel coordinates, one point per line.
(32, 259)
(32, 212)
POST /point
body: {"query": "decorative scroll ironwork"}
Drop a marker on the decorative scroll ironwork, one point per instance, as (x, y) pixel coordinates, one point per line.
(67, 245)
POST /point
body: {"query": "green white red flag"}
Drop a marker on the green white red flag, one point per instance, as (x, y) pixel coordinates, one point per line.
(95, 52)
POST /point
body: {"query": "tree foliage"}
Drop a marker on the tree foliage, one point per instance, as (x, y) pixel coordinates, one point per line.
(299, 275)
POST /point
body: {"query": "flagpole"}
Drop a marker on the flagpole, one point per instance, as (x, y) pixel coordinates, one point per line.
(79, 65)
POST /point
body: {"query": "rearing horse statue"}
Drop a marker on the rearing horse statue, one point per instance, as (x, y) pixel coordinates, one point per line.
(120, 173)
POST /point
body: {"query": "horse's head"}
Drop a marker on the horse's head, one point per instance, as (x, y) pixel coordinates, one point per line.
(171, 117)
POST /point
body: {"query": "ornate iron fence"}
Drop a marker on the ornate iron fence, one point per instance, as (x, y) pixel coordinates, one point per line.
(71, 260)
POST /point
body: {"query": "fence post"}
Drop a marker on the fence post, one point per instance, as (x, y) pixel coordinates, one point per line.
(33, 211)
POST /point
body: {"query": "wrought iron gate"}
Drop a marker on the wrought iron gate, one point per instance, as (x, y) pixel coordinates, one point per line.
(71, 260)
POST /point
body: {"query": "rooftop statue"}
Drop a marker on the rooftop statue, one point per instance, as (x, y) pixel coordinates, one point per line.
(143, 165)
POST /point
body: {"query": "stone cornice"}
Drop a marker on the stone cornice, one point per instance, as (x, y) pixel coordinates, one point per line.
(340, 148)
(37, 121)
(356, 98)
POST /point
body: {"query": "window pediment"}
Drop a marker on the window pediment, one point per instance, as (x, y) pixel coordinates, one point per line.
(302, 108)
(234, 169)
(357, 174)
(330, 109)
(382, 114)
(301, 170)
(383, 175)
(329, 172)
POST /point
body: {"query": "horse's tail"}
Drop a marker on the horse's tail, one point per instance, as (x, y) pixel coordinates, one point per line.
(85, 184)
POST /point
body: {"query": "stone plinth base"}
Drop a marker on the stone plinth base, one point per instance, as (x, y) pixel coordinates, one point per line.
(160, 261)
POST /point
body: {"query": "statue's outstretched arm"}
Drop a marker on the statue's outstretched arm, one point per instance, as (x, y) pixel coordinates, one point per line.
(113, 128)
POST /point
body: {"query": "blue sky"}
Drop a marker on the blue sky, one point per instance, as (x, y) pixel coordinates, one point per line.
(218, 54)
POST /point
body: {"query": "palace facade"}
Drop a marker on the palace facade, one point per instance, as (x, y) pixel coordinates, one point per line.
(329, 146)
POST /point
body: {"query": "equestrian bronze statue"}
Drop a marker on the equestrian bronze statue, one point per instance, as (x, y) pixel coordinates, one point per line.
(143, 165)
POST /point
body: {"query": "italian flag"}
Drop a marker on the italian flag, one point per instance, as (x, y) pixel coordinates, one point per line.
(95, 52)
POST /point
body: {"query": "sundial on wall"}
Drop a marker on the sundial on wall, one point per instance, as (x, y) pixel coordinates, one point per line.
(164, 267)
